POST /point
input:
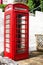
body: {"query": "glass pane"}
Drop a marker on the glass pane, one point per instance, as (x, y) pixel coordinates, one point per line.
(7, 50)
(7, 45)
(23, 26)
(23, 40)
(7, 36)
(23, 17)
(7, 31)
(18, 36)
(23, 35)
(22, 45)
(23, 22)
(20, 27)
(8, 26)
(7, 21)
(8, 16)
(7, 40)
(22, 31)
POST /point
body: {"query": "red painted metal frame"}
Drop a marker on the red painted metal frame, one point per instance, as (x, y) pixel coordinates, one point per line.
(1, 1)
(13, 45)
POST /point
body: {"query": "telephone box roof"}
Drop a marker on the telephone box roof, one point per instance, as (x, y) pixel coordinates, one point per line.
(20, 5)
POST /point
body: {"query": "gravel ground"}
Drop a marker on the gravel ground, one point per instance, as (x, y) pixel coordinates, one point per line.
(36, 58)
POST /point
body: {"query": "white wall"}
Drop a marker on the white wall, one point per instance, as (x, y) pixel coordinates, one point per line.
(36, 27)
(1, 30)
(5, 1)
(32, 31)
(8, 1)
(12, 1)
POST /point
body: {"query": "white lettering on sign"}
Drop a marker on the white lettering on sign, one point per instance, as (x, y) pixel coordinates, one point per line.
(8, 9)
(19, 8)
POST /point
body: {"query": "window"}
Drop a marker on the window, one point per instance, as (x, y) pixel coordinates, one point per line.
(8, 16)
(7, 33)
(21, 33)
(7, 50)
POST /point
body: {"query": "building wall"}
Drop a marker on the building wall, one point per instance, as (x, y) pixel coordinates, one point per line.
(35, 27)
(1, 31)
(13, 1)
(6, 1)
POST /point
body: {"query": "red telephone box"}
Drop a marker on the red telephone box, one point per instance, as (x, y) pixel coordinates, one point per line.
(16, 31)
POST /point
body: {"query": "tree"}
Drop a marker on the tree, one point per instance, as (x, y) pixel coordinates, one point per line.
(33, 5)
(2, 6)
(30, 4)
(41, 5)
(36, 2)
(37, 5)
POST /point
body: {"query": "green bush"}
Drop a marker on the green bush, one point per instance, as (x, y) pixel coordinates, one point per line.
(2, 6)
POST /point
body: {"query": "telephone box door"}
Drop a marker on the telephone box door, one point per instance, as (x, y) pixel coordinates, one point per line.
(21, 35)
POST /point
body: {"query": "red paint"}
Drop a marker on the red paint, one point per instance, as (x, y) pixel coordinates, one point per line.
(0, 1)
(16, 27)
